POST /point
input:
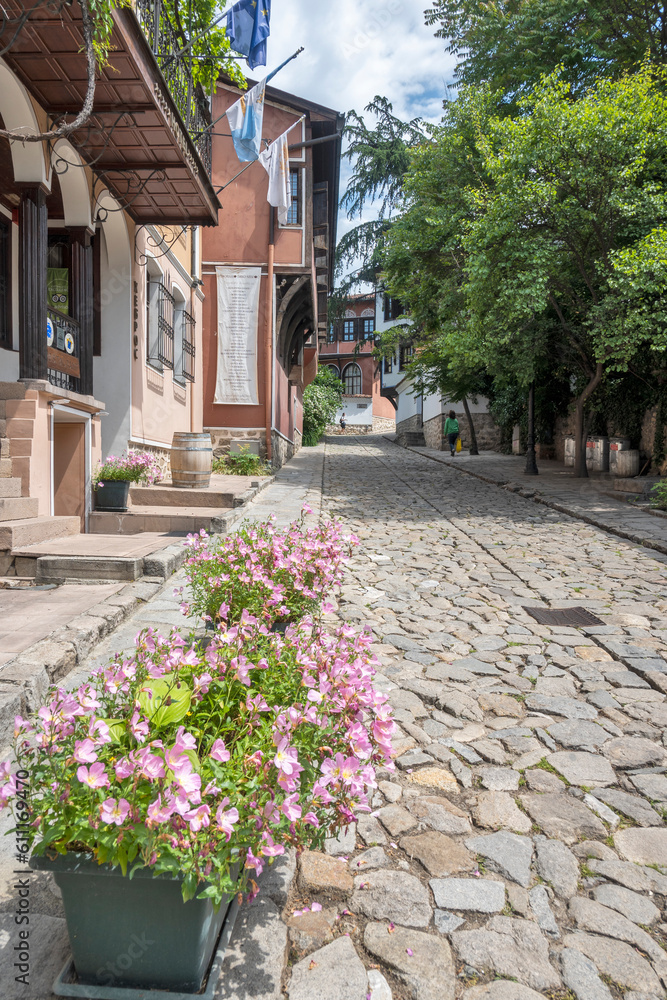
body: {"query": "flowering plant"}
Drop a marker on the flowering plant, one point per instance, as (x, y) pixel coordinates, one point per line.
(133, 466)
(270, 573)
(201, 762)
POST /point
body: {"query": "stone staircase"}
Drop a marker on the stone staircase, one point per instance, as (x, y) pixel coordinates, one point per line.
(20, 521)
(411, 439)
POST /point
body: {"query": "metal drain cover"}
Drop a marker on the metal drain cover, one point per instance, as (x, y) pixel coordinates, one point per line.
(573, 617)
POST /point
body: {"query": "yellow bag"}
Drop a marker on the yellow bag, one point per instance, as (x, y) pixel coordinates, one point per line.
(458, 445)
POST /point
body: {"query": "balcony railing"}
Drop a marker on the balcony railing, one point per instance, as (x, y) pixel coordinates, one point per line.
(177, 71)
(63, 346)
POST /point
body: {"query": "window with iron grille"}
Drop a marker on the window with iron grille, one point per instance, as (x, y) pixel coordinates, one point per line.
(348, 329)
(352, 380)
(5, 285)
(188, 357)
(159, 324)
(294, 211)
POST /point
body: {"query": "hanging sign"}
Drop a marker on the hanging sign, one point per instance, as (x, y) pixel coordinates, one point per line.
(238, 312)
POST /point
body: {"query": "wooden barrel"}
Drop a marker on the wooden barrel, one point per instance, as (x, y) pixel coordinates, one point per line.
(191, 460)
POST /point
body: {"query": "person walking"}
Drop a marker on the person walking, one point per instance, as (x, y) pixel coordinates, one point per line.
(343, 423)
(452, 431)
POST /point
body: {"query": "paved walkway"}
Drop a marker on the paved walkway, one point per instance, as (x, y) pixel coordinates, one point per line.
(591, 499)
(519, 850)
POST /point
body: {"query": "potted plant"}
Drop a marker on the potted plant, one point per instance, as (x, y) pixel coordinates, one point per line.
(114, 476)
(278, 575)
(165, 783)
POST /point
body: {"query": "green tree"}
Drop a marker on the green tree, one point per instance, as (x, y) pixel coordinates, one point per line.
(321, 399)
(569, 228)
(511, 44)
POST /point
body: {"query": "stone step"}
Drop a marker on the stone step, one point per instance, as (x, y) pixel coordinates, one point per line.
(412, 439)
(166, 495)
(32, 530)
(163, 519)
(59, 569)
(641, 484)
(18, 508)
(10, 487)
(5, 468)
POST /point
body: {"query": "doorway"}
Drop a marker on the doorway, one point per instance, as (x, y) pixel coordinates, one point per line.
(71, 466)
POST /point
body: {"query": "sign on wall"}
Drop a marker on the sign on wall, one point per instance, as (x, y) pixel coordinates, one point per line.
(238, 311)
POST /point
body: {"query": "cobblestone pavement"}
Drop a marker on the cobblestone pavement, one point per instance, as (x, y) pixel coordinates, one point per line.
(519, 850)
(592, 499)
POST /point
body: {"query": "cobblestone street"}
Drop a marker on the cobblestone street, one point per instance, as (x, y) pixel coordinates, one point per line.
(519, 849)
(521, 837)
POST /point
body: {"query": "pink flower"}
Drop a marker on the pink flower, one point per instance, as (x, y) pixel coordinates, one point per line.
(139, 729)
(95, 777)
(124, 768)
(114, 812)
(311, 819)
(286, 758)
(159, 813)
(290, 807)
(84, 751)
(197, 818)
(226, 819)
(219, 752)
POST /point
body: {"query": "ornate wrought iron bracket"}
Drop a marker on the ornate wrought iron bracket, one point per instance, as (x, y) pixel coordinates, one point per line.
(157, 246)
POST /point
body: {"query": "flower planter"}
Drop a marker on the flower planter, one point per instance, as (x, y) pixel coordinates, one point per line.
(134, 933)
(112, 494)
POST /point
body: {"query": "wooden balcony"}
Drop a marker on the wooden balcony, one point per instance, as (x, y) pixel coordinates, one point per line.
(147, 139)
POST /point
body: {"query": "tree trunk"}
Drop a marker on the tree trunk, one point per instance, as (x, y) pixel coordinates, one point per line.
(471, 427)
(580, 469)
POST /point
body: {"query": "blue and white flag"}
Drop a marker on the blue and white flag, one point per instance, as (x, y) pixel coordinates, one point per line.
(245, 121)
(248, 28)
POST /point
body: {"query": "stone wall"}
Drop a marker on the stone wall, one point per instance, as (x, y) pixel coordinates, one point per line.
(282, 450)
(383, 425)
(162, 456)
(222, 438)
(350, 430)
(486, 429)
(412, 423)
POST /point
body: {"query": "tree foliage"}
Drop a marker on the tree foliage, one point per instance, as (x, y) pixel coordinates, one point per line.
(511, 44)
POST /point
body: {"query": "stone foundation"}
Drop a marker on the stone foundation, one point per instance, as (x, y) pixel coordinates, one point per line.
(411, 425)
(222, 438)
(162, 456)
(384, 425)
(351, 429)
(282, 450)
(486, 430)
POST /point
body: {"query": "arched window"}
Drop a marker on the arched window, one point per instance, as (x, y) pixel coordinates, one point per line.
(352, 380)
(334, 369)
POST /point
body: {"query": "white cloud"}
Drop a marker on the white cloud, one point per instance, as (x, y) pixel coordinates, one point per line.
(355, 50)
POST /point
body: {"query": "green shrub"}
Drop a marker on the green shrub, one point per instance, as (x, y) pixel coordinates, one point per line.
(321, 399)
(245, 463)
(659, 495)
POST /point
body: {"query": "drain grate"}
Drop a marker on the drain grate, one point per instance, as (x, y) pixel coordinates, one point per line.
(573, 617)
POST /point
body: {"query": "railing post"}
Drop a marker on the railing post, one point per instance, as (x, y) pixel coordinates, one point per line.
(156, 29)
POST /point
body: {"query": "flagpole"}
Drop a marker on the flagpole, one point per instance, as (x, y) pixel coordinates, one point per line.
(269, 77)
(250, 163)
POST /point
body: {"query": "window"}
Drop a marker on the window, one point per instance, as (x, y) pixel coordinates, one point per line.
(159, 323)
(393, 308)
(368, 327)
(331, 335)
(352, 380)
(188, 341)
(388, 365)
(334, 369)
(405, 356)
(6, 339)
(294, 211)
(348, 329)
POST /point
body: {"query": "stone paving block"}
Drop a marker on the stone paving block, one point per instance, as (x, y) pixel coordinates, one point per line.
(334, 972)
(423, 961)
(479, 895)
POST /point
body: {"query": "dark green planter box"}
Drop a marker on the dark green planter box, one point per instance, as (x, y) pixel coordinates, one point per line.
(112, 494)
(134, 932)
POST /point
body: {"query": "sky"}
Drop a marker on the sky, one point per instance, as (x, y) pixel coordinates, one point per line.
(355, 49)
